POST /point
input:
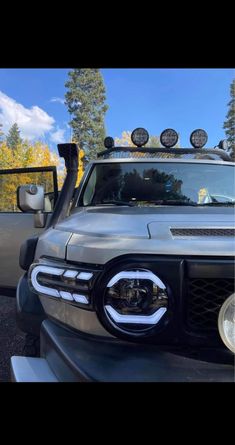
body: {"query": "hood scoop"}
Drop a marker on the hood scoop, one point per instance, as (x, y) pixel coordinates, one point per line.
(191, 232)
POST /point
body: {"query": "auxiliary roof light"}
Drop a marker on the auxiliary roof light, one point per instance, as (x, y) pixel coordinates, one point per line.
(198, 138)
(169, 138)
(139, 137)
(109, 142)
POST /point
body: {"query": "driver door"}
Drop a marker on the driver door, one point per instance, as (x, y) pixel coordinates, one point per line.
(16, 226)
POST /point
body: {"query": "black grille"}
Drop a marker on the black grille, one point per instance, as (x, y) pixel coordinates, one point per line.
(203, 232)
(205, 298)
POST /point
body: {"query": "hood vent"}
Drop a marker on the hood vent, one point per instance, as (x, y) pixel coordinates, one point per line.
(202, 232)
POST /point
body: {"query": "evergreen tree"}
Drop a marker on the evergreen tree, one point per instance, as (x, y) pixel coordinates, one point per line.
(229, 124)
(13, 137)
(85, 100)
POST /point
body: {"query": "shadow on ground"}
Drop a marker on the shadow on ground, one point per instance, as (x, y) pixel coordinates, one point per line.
(11, 338)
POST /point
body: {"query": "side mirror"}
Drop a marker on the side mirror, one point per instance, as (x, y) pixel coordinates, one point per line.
(30, 199)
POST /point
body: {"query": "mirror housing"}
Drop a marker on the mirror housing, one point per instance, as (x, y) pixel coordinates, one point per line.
(30, 198)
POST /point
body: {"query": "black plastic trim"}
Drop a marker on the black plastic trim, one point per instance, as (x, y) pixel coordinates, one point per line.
(27, 252)
(70, 154)
(72, 357)
(210, 269)
(173, 271)
(29, 311)
(180, 151)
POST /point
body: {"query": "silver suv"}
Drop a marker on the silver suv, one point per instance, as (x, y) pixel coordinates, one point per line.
(136, 268)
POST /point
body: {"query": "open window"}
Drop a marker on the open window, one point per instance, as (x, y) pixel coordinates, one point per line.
(17, 226)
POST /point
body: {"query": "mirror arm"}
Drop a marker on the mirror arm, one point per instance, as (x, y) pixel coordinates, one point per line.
(40, 219)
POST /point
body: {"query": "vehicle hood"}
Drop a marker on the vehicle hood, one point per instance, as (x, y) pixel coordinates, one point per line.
(97, 235)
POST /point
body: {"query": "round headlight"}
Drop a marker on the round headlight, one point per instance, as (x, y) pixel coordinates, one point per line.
(109, 142)
(198, 138)
(226, 323)
(134, 303)
(139, 137)
(169, 138)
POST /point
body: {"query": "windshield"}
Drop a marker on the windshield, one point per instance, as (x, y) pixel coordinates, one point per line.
(148, 183)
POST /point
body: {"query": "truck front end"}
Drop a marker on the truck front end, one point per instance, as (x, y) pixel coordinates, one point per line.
(137, 283)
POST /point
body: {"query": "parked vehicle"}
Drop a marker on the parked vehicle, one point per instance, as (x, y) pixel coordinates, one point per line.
(135, 269)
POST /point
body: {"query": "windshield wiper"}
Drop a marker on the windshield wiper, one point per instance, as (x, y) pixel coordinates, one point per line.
(226, 203)
(174, 202)
(117, 203)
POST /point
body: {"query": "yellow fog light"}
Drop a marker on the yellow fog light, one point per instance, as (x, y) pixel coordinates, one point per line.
(226, 322)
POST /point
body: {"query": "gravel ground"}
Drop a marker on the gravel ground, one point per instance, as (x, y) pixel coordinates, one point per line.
(11, 338)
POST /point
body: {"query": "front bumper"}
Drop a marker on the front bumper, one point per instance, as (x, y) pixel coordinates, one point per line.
(69, 356)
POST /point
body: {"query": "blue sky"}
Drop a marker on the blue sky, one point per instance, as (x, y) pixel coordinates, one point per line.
(183, 99)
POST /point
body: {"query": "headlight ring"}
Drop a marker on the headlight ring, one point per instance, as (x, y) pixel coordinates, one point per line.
(134, 302)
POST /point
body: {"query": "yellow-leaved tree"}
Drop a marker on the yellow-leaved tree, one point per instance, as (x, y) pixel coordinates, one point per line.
(25, 155)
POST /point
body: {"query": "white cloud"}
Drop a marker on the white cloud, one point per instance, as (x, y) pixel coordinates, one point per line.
(33, 122)
(57, 99)
(58, 136)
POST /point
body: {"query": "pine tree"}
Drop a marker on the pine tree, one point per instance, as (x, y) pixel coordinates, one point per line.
(13, 137)
(229, 124)
(85, 100)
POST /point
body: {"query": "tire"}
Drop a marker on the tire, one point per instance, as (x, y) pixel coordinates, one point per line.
(31, 346)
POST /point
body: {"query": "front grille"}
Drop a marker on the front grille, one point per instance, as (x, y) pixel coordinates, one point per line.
(202, 232)
(205, 298)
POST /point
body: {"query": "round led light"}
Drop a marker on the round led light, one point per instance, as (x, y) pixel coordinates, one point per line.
(135, 302)
(198, 138)
(169, 138)
(139, 137)
(109, 142)
(226, 323)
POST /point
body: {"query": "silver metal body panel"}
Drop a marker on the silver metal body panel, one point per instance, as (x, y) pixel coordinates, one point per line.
(29, 369)
(82, 320)
(100, 234)
(14, 229)
(52, 243)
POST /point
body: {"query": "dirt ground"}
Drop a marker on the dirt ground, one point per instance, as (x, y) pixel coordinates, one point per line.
(11, 338)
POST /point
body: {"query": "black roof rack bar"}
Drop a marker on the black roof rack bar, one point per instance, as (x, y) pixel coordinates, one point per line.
(179, 151)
